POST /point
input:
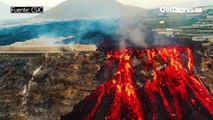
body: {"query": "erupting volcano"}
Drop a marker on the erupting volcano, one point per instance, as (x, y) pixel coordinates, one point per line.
(170, 89)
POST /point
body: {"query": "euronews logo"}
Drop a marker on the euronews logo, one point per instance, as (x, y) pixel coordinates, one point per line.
(180, 10)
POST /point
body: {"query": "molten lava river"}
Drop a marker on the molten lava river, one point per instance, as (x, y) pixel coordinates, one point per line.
(170, 90)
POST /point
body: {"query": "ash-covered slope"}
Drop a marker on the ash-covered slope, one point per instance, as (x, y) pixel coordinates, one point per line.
(51, 94)
(85, 9)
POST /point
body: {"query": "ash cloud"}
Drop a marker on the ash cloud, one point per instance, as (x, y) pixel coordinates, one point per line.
(133, 32)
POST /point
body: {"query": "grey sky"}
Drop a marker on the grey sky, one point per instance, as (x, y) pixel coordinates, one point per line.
(139, 3)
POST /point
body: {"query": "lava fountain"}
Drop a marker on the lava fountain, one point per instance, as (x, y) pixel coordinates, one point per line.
(173, 89)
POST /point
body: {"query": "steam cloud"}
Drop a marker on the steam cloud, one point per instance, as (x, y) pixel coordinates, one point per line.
(133, 33)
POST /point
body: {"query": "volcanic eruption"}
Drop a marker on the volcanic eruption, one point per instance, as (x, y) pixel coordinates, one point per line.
(170, 90)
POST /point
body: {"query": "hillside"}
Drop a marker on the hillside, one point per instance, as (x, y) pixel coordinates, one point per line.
(75, 9)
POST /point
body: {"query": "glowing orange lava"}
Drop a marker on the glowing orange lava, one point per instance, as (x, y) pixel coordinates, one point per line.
(125, 92)
(175, 85)
(176, 78)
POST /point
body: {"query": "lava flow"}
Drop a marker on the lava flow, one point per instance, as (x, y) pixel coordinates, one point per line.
(122, 87)
(172, 91)
(178, 80)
